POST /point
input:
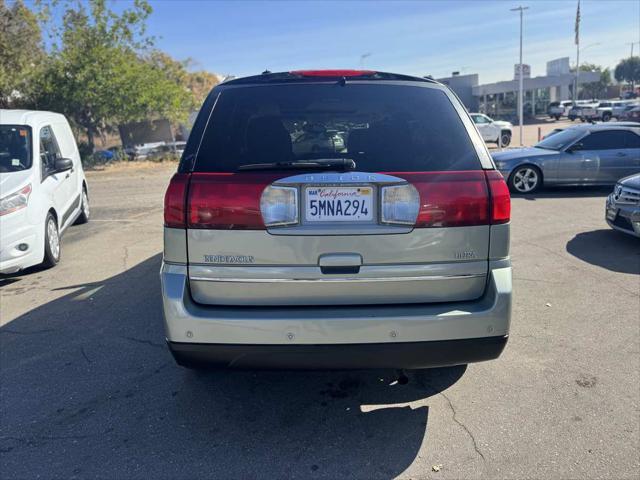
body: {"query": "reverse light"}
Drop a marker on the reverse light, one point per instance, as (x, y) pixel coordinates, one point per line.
(279, 206)
(15, 201)
(400, 204)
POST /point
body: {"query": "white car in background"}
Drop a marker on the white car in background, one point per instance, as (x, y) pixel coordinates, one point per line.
(493, 130)
(43, 189)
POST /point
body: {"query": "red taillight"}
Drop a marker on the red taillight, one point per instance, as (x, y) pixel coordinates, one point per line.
(174, 201)
(333, 73)
(500, 197)
(450, 199)
(227, 200)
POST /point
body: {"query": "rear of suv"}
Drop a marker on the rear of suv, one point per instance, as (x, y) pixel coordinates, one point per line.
(335, 219)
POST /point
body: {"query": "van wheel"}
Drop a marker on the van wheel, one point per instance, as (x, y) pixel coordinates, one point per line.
(85, 212)
(557, 117)
(505, 138)
(606, 117)
(51, 242)
(525, 179)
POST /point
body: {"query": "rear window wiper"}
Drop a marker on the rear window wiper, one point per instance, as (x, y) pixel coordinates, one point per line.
(324, 163)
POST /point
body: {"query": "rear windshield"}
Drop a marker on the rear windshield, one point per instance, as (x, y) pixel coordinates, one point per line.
(15, 148)
(381, 127)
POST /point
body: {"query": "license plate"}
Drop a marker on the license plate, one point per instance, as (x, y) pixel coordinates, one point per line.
(339, 204)
(611, 214)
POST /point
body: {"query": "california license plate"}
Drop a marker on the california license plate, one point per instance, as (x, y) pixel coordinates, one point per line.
(339, 204)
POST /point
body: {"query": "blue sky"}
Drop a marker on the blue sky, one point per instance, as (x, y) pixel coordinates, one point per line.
(414, 37)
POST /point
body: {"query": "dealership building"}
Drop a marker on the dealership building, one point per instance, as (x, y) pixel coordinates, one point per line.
(499, 99)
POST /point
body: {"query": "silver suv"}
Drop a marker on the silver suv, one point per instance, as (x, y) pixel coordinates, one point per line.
(386, 247)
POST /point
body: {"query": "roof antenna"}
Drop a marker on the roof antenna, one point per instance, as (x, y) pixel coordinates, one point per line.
(266, 72)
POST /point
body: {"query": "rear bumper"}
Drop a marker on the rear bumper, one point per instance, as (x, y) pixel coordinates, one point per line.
(409, 355)
(379, 334)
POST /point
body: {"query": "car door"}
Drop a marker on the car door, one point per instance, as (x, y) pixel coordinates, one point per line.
(484, 127)
(72, 185)
(608, 147)
(54, 185)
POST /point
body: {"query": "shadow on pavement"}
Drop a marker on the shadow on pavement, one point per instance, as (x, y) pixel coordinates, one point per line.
(566, 192)
(88, 389)
(607, 248)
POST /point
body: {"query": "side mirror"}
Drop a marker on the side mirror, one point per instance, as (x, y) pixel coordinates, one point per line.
(575, 147)
(63, 164)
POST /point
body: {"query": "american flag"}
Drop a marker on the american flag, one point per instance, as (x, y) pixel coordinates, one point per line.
(578, 24)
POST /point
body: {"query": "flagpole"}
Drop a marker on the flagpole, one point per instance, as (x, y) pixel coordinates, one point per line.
(520, 9)
(577, 30)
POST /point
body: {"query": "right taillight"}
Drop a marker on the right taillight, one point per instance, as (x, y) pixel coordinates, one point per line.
(500, 197)
(459, 198)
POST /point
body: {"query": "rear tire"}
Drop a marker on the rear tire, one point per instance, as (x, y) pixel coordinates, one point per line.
(525, 179)
(606, 117)
(85, 211)
(557, 117)
(505, 138)
(51, 242)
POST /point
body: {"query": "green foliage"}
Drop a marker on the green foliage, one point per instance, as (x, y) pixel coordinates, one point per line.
(103, 70)
(628, 70)
(595, 89)
(21, 51)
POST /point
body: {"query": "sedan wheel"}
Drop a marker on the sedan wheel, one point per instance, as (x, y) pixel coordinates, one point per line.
(525, 180)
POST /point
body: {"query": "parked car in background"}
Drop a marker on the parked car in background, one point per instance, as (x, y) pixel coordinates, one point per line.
(623, 206)
(631, 114)
(576, 111)
(358, 258)
(619, 106)
(603, 112)
(559, 109)
(43, 189)
(596, 154)
(495, 131)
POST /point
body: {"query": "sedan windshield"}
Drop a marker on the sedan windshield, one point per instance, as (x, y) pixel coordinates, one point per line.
(560, 140)
(15, 148)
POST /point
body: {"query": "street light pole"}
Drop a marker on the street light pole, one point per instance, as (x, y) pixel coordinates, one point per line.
(520, 9)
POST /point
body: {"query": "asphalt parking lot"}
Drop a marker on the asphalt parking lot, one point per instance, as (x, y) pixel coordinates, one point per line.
(88, 388)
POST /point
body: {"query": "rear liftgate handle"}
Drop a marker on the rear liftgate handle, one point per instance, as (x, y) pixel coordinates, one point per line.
(340, 263)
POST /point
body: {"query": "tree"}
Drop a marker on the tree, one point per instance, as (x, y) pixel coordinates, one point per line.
(200, 84)
(20, 51)
(595, 89)
(103, 70)
(628, 70)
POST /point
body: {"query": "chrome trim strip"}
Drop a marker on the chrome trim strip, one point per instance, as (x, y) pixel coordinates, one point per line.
(335, 280)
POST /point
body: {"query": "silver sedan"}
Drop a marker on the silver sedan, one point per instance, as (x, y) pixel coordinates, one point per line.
(583, 155)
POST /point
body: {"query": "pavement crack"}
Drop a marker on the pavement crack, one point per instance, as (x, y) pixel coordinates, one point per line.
(84, 354)
(464, 427)
(125, 257)
(146, 342)
(33, 332)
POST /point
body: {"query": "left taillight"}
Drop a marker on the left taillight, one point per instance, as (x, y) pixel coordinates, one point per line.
(175, 213)
(15, 201)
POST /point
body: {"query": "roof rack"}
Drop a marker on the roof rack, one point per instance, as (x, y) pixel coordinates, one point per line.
(315, 75)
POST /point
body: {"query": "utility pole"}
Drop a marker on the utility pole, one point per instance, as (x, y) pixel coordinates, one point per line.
(520, 9)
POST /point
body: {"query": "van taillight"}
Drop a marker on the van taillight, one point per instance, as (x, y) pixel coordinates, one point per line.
(460, 198)
(227, 201)
(450, 199)
(500, 197)
(174, 201)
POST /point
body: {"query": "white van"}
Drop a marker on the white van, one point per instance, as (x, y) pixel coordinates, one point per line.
(43, 189)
